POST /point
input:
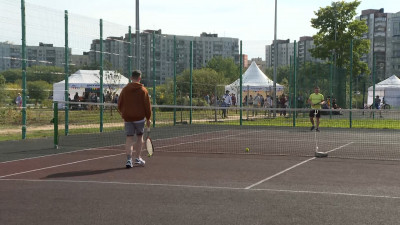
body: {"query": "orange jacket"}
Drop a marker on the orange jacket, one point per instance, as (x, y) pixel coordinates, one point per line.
(134, 103)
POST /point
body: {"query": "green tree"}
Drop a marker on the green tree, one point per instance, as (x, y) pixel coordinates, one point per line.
(204, 82)
(12, 75)
(224, 66)
(38, 90)
(336, 28)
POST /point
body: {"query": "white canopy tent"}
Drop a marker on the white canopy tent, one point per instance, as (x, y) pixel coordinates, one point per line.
(388, 89)
(253, 80)
(82, 80)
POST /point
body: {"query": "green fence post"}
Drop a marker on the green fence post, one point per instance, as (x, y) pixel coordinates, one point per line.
(351, 80)
(295, 83)
(241, 85)
(191, 81)
(373, 83)
(55, 123)
(23, 69)
(130, 52)
(66, 71)
(154, 78)
(101, 76)
(174, 80)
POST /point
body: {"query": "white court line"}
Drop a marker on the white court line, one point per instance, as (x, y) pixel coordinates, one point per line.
(65, 164)
(292, 167)
(206, 187)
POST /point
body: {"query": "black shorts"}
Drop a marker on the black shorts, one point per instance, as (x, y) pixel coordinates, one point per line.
(312, 113)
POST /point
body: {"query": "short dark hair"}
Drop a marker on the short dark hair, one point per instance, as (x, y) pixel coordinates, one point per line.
(136, 74)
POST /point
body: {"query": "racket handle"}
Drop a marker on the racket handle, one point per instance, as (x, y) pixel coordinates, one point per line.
(148, 129)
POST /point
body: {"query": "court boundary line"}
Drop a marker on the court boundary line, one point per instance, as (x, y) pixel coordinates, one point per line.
(292, 167)
(207, 187)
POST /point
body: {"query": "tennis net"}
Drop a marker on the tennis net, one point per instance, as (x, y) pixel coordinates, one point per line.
(356, 134)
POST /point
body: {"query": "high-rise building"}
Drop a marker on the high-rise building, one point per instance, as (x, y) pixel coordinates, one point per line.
(44, 54)
(384, 35)
(205, 47)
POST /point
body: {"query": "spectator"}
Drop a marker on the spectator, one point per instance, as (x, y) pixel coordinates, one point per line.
(282, 103)
(256, 104)
(233, 100)
(18, 101)
(226, 102)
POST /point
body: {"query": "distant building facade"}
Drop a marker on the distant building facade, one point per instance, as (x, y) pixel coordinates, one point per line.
(384, 35)
(43, 54)
(286, 49)
(205, 47)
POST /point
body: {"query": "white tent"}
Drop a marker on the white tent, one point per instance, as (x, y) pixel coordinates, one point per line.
(82, 80)
(388, 89)
(253, 80)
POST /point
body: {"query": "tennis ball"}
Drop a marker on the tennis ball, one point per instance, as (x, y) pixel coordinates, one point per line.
(148, 155)
(247, 149)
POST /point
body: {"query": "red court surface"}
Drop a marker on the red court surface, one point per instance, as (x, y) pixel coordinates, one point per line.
(93, 187)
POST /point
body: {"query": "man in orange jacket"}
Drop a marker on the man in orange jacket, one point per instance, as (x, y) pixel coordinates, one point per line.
(135, 108)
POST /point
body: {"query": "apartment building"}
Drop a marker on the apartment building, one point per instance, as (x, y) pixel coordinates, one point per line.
(384, 35)
(43, 54)
(286, 49)
(205, 47)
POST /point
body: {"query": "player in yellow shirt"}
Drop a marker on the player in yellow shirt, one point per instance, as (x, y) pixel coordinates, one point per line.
(316, 100)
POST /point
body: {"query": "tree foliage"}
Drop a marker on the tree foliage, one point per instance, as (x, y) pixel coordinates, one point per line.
(336, 28)
(38, 90)
(225, 66)
(50, 74)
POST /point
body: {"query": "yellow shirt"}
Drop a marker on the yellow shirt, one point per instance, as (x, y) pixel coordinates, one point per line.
(315, 99)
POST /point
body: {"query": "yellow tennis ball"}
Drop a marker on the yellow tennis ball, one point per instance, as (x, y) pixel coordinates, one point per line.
(148, 155)
(247, 149)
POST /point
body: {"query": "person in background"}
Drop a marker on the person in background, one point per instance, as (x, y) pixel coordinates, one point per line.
(18, 101)
(226, 102)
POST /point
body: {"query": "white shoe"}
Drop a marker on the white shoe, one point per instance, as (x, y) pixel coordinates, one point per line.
(140, 161)
(129, 163)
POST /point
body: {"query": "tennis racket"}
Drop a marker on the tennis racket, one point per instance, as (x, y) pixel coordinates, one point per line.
(148, 144)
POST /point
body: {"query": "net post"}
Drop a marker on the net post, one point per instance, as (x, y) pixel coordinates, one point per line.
(55, 123)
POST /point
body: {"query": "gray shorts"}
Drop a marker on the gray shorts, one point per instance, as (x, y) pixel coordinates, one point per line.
(132, 128)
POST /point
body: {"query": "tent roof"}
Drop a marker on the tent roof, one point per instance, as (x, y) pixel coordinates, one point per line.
(254, 77)
(391, 82)
(93, 77)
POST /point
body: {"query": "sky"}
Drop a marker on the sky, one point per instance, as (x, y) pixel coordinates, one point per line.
(251, 21)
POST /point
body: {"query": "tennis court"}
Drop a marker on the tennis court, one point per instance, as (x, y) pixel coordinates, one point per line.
(202, 174)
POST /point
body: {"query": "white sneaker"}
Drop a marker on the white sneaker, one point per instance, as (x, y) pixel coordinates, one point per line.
(129, 163)
(140, 161)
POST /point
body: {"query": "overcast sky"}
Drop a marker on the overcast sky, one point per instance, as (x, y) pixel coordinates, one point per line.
(251, 21)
